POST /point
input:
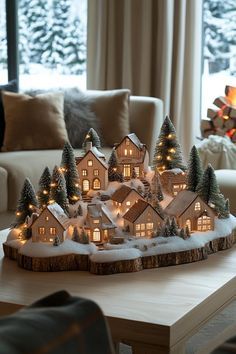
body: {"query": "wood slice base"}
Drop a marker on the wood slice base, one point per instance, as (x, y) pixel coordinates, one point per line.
(82, 262)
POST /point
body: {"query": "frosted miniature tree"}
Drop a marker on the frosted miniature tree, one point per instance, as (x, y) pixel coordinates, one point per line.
(113, 174)
(226, 212)
(187, 232)
(56, 241)
(58, 189)
(27, 204)
(44, 188)
(166, 228)
(69, 169)
(75, 235)
(173, 227)
(182, 234)
(80, 210)
(209, 191)
(157, 206)
(156, 187)
(83, 237)
(93, 137)
(195, 170)
(167, 154)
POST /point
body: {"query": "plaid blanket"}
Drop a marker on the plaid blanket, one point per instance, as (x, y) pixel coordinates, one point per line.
(57, 324)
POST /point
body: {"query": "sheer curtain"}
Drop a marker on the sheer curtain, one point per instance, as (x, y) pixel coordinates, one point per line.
(152, 47)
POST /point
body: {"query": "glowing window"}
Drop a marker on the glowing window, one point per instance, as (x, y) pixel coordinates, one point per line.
(128, 203)
(96, 235)
(95, 172)
(142, 227)
(188, 223)
(52, 231)
(197, 206)
(143, 233)
(51, 240)
(96, 184)
(126, 170)
(47, 218)
(138, 234)
(90, 162)
(204, 223)
(149, 225)
(84, 172)
(41, 230)
(131, 152)
(137, 171)
(126, 152)
(96, 221)
(137, 227)
(85, 185)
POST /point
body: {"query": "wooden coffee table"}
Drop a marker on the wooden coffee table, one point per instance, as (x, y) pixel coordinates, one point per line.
(163, 310)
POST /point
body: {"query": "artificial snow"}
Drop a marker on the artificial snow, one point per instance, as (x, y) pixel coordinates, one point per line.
(46, 249)
(115, 255)
(13, 234)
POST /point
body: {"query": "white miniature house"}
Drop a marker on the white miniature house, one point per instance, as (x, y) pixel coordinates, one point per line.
(142, 220)
(190, 210)
(124, 198)
(173, 181)
(93, 170)
(132, 155)
(46, 227)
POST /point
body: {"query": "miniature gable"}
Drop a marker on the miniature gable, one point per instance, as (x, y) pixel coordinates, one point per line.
(124, 198)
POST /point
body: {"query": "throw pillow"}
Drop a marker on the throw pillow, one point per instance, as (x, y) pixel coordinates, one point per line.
(11, 86)
(112, 109)
(33, 122)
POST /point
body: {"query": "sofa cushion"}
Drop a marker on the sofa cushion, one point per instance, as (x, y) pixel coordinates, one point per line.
(33, 122)
(11, 86)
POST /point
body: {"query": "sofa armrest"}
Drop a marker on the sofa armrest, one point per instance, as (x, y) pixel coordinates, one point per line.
(146, 118)
(4, 190)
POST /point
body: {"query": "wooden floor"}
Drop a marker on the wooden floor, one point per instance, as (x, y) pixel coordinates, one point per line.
(158, 309)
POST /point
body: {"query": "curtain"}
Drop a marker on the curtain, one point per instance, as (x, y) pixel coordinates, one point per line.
(154, 48)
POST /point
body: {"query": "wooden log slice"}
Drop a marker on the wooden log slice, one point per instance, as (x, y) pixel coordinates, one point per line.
(9, 251)
(123, 266)
(54, 264)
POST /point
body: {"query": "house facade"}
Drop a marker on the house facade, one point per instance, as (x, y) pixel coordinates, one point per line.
(93, 172)
(98, 225)
(46, 227)
(142, 220)
(124, 198)
(173, 181)
(132, 155)
(190, 210)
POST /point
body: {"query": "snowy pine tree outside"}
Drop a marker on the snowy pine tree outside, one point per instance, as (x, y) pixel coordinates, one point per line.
(52, 43)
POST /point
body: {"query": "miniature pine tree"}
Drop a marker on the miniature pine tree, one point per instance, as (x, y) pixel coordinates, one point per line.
(26, 232)
(134, 174)
(167, 154)
(157, 206)
(83, 238)
(156, 187)
(166, 228)
(68, 166)
(112, 170)
(58, 189)
(149, 196)
(195, 170)
(93, 137)
(56, 241)
(182, 234)
(209, 191)
(27, 204)
(173, 227)
(75, 235)
(187, 232)
(80, 211)
(226, 212)
(44, 188)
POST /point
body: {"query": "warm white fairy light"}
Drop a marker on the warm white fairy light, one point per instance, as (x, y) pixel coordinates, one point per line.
(51, 201)
(18, 213)
(30, 206)
(160, 143)
(53, 184)
(159, 157)
(77, 185)
(170, 136)
(45, 192)
(171, 150)
(168, 158)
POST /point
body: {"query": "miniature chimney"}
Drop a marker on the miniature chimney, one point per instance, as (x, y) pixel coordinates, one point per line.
(89, 146)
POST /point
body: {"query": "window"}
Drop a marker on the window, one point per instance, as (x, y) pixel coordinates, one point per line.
(96, 235)
(142, 226)
(188, 223)
(126, 170)
(131, 152)
(197, 206)
(149, 225)
(41, 230)
(3, 42)
(95, 172)
(128, 203)
(96, 221)
(90, 162)
(137, 227)
(85, 185)
(204, 223)
(47, 218)
(219, 50)
(137, 171)
(96, 183)
(84, 172)
(52, 231)
(126, 152)
(178, 187)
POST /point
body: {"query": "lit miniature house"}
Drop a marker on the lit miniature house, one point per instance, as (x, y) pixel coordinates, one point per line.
(132, 155)
(98, 225)
(46, 227)
(190, 210)
(142, 219)
(173, 181)
(124, 198)
(93, 170)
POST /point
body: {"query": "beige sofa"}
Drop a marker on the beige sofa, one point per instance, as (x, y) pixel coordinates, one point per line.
(146, 116)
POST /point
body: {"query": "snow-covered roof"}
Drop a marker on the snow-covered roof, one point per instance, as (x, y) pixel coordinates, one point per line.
(56, 211)
(121, 193)
(99, 158)
(175, 171)
(135, 140)
(98, 211)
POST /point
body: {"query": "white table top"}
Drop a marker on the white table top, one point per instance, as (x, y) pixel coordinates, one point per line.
(156, 306)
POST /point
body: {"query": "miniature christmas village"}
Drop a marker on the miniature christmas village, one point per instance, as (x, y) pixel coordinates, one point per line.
(121, 215)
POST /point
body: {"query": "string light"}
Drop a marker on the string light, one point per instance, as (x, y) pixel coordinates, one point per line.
(30, 206)
(159, 157)
(226, 117)
(171, 150)
(53, 184)
(51, 201)
(168, 158)
(160, 143)
(18, 213)
(170, 136)
(77, 185)
(45, 192)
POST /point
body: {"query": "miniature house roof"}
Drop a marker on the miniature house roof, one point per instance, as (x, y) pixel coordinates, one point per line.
(135, 140)
(97, 211)
(137, 209)
(173, 171)
(102, 162)
(46, 211)
(120, 194)
(181, 202)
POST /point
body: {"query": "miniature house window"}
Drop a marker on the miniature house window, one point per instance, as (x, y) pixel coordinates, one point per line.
(52, 231)
(126, 170)
(149, 225)
(137, 227)
(127, 142)
(95, 172)
(47, 218)
(96, 184)
(90, 162)
(188, 223)
(128, 203)
(96, 221)
(178, 187)
(41, 230)
(96, 235)
(51, 240)
(137, 171)
(85, 185)
(142, 227)
(131, 152)
(204, 223)
(138, 234)
(142, 233)
(197, 206)
(84, 172)
(105, 234)
(126, 152)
